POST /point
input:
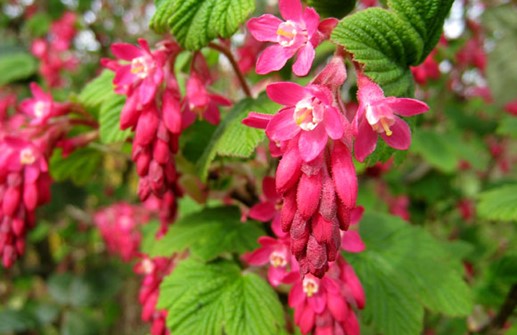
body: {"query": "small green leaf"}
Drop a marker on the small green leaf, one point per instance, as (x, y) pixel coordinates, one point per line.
(332, 8)
(232, 138)
(79, 166)
(16, 66)
(216, 298)
(499, 203)
(109, 121)
(194, 23)
(207, 234)
(395, 272)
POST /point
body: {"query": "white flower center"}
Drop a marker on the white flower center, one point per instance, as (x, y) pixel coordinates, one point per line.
(277, 259)
(310, 286)
(380, 118)
(27, 156)
(286, 33)
(39, 108)
(140, 67)
(308, 113)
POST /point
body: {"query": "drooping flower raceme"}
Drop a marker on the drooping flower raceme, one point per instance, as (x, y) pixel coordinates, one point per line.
(379, 115)
(298, 34)
(316, 176)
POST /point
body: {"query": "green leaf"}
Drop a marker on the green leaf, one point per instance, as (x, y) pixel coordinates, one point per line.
(387, 42)
(14, 321)
(109, 121)
(97, 91)
(16, 66)
(68, 290)
(207, 234)
(499, 203)
(435, 149)
(79, 323)
(194, 23)
(332, 8)
(508, 126)
(395, 272)
(232, 138)
(217, 298)
(79, 166)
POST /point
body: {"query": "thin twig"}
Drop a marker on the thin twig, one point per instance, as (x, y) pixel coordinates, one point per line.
(506, 310)
(235, 66)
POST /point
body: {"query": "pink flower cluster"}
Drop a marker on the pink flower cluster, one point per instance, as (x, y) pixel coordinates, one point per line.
(27, 139)
(53, 51)
(153, 270)
(322, 306)
(118, 225)
(24, 185)
(157, 112)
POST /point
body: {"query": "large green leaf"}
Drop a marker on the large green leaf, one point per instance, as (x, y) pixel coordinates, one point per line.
(388, 41)
(217, 298)
(16, 66)
(207, 234)
(16, 321)
(194, 23)
(404, 270)
(499, 203)
(232, 138)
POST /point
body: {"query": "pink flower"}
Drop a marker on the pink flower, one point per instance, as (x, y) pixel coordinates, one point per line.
(324, 306)
(309, 113)
(377, 115)
(199, 100)
(427, 70)
(42, 107)
(141, 72)
(351, 240)
(298, 34)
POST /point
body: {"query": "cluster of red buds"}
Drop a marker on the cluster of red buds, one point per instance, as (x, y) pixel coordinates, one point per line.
(323, 305)
(54, 50)
(157, 113)
(27, 140)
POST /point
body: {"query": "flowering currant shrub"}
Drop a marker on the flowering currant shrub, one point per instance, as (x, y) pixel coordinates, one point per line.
(246, 167)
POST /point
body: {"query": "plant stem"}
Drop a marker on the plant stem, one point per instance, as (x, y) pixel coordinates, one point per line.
(233, 62)
(506, 310)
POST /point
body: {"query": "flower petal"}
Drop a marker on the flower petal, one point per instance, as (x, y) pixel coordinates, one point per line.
(282, 126)
(263, 211)
(334, 123)
(312, 143)
(291, 9)
(257, 120)
(400, 138)
(125, 51)
(312, 20)
(365, 142)
(407, 106)
(273, 58)
(344, 175)
(264, 28)
(303, 63)
(352, 242)
(286, 93)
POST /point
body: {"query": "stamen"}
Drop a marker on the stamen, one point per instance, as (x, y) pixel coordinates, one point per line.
(27, 157)
(386, 127)
(310, 287)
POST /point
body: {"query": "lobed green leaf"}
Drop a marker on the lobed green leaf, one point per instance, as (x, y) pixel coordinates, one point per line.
(194, 23)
